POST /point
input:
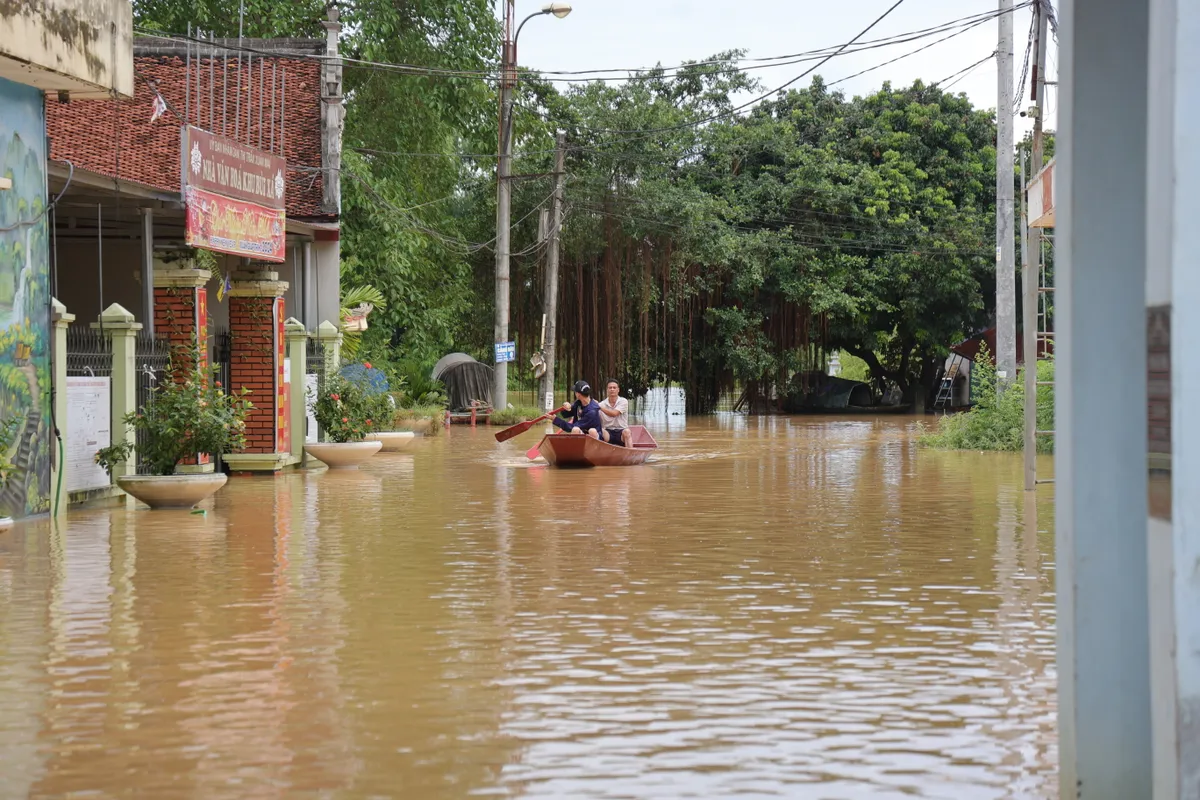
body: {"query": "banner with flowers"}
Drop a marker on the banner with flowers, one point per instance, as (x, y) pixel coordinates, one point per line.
(232, 226)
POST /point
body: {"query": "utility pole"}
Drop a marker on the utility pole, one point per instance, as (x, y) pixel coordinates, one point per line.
(508, 75)
(1031, 256)
(1029, 286)
(550, 293)
(1039, 87)
(1006, 279)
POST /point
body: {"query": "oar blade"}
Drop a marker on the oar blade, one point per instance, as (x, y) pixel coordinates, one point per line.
(515, 430)
(521, 427)
(533, 452)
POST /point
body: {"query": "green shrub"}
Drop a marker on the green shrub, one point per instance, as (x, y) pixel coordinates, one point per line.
(853, 368)
(422, 419)
(511, 416)
(190, 413)
(996, 422)
(349, 409)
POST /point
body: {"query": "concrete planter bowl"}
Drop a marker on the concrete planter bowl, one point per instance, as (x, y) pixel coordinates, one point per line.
(393, 441)
(171, 491)
(343, 455)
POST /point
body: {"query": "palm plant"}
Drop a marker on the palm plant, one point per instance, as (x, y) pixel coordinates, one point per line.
(356, 300)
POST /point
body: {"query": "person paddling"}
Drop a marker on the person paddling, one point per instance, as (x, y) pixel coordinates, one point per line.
(582, 416)
(616, 416)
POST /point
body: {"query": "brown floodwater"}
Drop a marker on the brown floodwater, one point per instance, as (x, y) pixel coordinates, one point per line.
(772, 607)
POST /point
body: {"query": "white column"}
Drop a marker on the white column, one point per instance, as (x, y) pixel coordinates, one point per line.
(1160, 171)
(1103, 642)
(1185, 392)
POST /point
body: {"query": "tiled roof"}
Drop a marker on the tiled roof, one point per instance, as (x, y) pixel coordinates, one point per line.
(86, 131)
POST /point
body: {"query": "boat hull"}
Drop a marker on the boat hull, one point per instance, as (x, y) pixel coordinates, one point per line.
(579, 450)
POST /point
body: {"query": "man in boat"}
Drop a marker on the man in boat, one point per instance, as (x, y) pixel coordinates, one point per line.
(614, 411)
(583, 416)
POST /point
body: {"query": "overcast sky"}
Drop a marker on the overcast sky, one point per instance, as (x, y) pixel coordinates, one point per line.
(601, 34)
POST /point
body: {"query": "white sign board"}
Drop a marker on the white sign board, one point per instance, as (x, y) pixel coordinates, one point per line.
(310, 401)
(89, 423)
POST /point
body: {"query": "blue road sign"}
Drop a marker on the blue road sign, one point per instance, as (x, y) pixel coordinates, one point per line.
(506, 351)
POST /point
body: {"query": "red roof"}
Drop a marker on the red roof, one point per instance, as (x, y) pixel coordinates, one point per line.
(970, 348)
(84, 131)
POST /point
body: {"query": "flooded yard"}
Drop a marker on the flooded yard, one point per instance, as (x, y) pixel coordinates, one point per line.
(773, 607)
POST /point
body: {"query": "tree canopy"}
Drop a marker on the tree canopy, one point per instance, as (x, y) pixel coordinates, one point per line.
(702, 245)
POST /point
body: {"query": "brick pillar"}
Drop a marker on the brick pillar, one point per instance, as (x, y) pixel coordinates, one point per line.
(181, 317)
(1158, 385)
(181, 310)
(256, 360)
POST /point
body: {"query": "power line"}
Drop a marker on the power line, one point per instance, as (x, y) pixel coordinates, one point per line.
(733, 111)
(962, 73)
(911, 53)
(492, 71)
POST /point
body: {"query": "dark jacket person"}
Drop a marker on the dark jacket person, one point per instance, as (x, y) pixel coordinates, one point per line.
(582, 416)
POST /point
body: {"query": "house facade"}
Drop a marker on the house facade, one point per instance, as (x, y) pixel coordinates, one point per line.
(58, 49)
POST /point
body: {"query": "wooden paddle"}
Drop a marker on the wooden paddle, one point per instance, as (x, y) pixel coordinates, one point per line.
(521, 427)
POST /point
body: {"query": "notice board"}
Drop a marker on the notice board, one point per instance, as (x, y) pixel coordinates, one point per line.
(89, 423)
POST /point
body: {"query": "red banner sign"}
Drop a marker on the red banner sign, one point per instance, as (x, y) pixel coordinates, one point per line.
(283, 440)
(231, 226)
(232, 169)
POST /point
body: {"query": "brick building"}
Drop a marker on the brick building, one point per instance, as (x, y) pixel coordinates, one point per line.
(120, 226)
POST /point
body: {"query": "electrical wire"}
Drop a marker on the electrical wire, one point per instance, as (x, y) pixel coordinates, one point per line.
(493, 71)
(906, 55)
(36, 219)
(733, 111)
(962, 73)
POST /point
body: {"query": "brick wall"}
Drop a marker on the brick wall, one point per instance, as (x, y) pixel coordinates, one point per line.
(116, 137)
(252, 366)
(175, 318)
(1158, 378)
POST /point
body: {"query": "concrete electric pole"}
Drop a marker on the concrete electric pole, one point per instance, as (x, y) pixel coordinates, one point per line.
(550, 292)
(508, 82)
(1006, 279)
(508, 76)
(1031, 257)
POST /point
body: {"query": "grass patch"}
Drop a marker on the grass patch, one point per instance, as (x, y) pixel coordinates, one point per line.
(996, 422)
(511, 416)
(421, 419)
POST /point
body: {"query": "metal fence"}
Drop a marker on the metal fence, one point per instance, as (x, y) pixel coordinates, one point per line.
(315, 361)
(152, 357)
(314, 365)
(219, 357)
(89, 353)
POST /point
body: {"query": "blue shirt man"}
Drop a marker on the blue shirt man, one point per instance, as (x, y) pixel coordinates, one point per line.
(582, 416)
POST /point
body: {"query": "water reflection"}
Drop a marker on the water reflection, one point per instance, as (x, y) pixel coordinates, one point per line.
(771, 606)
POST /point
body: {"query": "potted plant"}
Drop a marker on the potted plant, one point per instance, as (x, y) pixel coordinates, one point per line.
(380, 383)
(348, 410)
(8, 435)
(189, 412)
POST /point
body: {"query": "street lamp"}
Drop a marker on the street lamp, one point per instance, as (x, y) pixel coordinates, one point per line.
(508, 80)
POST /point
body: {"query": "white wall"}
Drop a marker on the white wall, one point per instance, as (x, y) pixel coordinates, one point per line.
(327, 300)
(83, 46)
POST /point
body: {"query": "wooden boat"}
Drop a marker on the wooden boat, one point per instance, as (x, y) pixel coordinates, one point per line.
(857, 410)
(580, 450)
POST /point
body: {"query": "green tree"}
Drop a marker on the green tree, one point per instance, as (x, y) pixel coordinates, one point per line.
(878, 211)
(257, 18)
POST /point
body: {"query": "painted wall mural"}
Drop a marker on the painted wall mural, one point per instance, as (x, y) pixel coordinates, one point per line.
(25, 299)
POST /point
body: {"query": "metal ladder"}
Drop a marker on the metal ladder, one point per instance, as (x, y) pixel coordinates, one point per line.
(1045, 335)
(945, 395)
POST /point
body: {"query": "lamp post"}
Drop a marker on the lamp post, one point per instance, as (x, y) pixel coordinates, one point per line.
(508, 81)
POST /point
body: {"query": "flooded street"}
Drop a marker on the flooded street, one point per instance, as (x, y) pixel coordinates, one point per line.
(773, 607)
